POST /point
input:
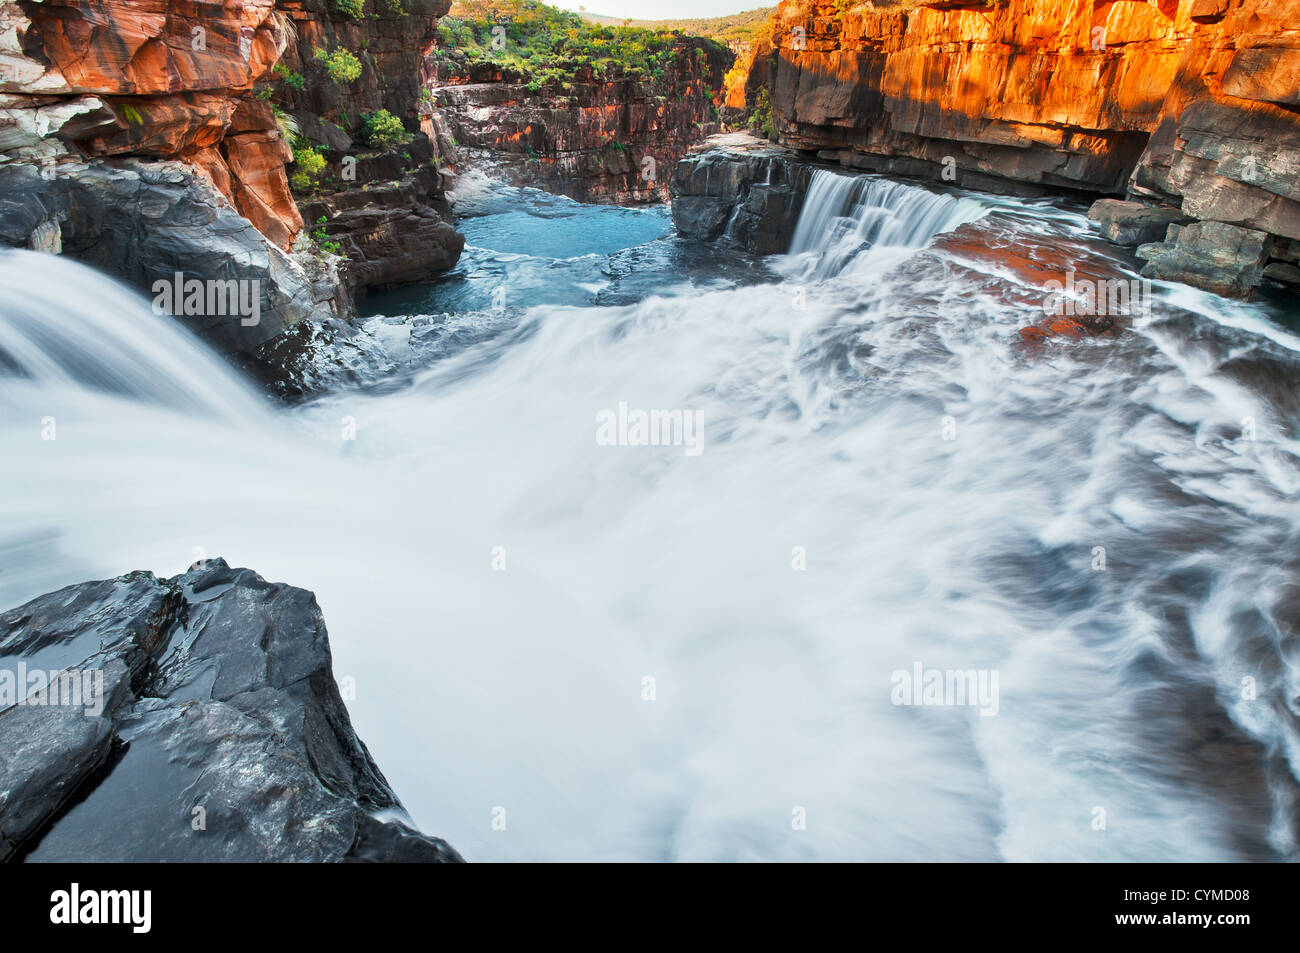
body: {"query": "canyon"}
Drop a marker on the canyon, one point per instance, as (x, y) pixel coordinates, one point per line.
(946, 420)
(1187, 105)
(610, 137)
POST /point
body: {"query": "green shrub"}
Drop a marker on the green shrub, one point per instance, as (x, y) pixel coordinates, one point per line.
(383, 129)
(761, 119)
(322, 238)
(290, 78)
(349, 8)
(342, 66)
(308, 165)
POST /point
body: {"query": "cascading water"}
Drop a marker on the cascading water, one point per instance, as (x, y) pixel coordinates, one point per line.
(886, 480)
(842, 214)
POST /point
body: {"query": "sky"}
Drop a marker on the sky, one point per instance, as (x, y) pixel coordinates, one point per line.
(663, 9)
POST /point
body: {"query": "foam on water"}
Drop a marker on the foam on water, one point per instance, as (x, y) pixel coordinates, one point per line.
(824, 433)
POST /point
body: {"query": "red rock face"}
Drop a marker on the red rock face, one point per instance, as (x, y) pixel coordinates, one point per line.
(173, 79)
(606, 138)
(156, 47)
(1191, 103)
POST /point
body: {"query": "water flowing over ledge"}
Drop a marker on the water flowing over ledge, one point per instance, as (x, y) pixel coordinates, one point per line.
(842, 214)
(944, 491)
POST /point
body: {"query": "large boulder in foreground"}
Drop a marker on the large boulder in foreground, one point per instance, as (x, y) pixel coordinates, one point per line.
(186, 719)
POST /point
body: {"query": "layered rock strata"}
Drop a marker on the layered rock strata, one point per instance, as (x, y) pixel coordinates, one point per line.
(607, 137)
(141, 136)
(740, 191)
(1192, 105)
(383, 204)
(130, 138)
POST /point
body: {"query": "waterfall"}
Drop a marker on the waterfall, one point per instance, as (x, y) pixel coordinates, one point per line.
(845, 214)
(644, 654)
(67, 327)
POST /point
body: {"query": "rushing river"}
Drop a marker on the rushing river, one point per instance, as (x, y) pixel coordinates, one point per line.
(690, 651)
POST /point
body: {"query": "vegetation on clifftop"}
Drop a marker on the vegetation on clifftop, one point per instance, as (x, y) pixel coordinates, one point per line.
(732, 28)
(547, 44)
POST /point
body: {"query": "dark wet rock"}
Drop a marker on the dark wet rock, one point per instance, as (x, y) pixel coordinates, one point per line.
(144, 221)
(1132, 223)
(209, 727)
(1283, 272)
(741, 191)
(1226, 259)
(396, 231)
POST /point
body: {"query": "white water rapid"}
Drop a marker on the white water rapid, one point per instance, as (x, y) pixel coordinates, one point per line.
(887, 479)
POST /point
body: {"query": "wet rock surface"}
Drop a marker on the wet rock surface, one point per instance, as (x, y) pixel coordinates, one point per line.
(146, 222)
(194, 719)
(1132, 223)
(139, 138)
(741, 191)
(1222, 258)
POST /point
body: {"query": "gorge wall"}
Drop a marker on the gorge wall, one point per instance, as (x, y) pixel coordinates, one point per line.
(383, 203)
(145, 137)
(129, 139)
(1193, 104)
(611, 136)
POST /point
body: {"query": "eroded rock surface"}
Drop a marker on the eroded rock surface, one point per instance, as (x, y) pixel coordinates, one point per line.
(193, 719)
(741, 191)
(385, 205)
(1188, 104)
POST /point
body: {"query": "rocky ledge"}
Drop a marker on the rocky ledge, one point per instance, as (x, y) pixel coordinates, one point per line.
(1190, 105)
(187, 719)
(740, 191)
(153, 137)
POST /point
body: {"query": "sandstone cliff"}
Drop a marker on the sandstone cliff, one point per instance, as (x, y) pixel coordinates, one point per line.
(151, 78)
(1187, 103)
(130, 139)
(383, 204)
(141, 136)
(611, 136)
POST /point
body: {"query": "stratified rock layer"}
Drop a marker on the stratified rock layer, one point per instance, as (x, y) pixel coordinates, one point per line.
(385, 205)
(608, 137)
(210, 729)
(740, 191)
(152, 78)
(1183, 103)
(130, 139)
(93, 92)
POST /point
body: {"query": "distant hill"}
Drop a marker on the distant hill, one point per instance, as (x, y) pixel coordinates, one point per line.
(737, 27)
